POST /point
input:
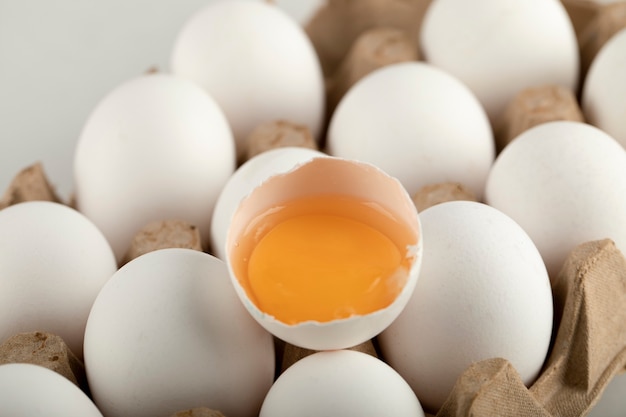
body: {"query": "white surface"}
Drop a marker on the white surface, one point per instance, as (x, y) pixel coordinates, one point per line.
(604, 91)
(341, 383)
(54, 289)
(612, 402)
(564, 182)
(399, 118)
(58, 58)
(28, 390)
(167, 333)
(157, 147)
(500, 47)
(256, 62)
(483, 292)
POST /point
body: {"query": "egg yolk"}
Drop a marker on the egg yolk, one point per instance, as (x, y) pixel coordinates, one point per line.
(324, 267)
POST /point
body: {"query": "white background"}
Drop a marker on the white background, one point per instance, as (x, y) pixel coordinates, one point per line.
(58, 58)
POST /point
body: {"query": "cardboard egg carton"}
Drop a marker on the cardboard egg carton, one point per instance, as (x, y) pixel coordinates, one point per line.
(589, 292)
(589, 348)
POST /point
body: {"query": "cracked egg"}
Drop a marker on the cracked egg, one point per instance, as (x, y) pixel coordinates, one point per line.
(327, 255)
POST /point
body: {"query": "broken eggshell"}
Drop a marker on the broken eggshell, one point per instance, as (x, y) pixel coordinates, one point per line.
(319, 177)
(247, 177)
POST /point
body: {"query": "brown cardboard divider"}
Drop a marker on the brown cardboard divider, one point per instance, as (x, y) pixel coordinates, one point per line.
(589, 349)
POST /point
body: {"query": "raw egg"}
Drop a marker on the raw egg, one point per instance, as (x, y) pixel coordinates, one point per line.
(326, 255)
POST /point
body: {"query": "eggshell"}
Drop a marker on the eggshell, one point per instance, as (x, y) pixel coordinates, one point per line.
(53, 263)
(247, 177)
(340, 383)
(156, 147)
(34, 391)
(256, 61)
(322, 176)
(564, 183)
(604, 91)
(167, 334)
(483, 292)
(418, 124)
(499, 47)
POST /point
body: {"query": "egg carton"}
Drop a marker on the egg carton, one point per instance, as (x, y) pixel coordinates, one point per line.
(588, 293)
(588, 351)
(589, 348)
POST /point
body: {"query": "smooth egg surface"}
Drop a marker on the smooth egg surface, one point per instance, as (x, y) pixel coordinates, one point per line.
(167, 333)
(256, 61)
(340, 383)
(483, 292)
(565, 184)
(28, 390)
(489, 45)
(418, 124)
(53, 263)
(604, 90)
(156, 147)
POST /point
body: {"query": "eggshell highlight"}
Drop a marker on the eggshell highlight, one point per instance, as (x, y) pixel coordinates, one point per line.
(256, 61)
(500, 47)
(418, 124)
(156, 147)
(167, 333)
(28, 390)
(53, 263)
(565, 184)
(604, 91)
(483, 292)
(340, 383)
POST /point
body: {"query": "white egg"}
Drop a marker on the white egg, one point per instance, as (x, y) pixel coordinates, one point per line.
(604, 90)
(565, 184)
(256, 61)
(53, 263)
(167, 333)
(247, 177)
(499, 47)
(28, 390)
(156, 147)
(340, 383)
(418, 124)
(483, 292)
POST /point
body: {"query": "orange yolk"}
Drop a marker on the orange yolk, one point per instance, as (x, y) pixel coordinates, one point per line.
(324, 267)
